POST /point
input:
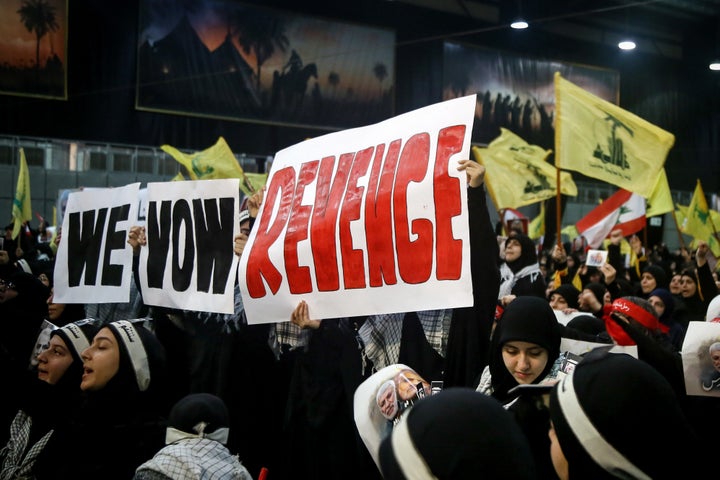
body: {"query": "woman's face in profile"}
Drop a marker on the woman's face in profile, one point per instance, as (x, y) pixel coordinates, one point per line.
(54, 361)
(54, 309)
(101, 361)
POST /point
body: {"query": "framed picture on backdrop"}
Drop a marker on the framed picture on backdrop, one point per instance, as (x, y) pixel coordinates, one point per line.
(516, 92)
(33, 48)
(229, 60)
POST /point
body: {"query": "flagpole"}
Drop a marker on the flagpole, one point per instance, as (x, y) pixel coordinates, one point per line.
(715, 234)
(712, 224)
(558, 221)
(558, 207)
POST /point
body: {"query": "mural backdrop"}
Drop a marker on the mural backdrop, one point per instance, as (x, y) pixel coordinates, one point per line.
(33, 42)
(516, 92)
(235, 61)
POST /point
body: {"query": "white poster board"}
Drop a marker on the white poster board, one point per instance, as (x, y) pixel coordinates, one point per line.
(94, 261)
(189, 263)
(142, 207)
(364, 221)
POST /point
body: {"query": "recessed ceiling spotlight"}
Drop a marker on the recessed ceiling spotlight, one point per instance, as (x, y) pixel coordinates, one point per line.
(626, 45)
(715, 65)
(519, 24)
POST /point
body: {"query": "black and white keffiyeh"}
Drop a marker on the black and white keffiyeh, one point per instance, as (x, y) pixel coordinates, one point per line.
(382, 334)
(508, 278)
(195, 459)
(17, 459)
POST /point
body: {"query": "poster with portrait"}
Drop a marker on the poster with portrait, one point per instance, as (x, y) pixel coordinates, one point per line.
(516, 92)
(33, 48)
(382, 399)
(701, 359)
(229, 60)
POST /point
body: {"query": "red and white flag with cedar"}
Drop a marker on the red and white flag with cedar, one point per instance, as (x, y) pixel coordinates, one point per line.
(623, 210)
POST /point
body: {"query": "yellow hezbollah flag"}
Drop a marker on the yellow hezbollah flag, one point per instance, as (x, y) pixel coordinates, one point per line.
(680, 215)
(256, 181)
(178, 178)
(516, 173)
(698, 221)
(660, 200)
(21, 209)
(603, 141)
(536, 228)
(217, 161)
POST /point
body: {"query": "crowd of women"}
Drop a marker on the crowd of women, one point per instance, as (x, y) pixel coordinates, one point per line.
(155, 393)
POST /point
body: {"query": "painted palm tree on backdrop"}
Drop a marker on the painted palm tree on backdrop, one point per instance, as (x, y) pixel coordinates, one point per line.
(38, 17)
(259, 33)
(381, 73)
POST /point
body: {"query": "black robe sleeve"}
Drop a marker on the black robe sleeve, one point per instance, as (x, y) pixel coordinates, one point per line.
(469, 336)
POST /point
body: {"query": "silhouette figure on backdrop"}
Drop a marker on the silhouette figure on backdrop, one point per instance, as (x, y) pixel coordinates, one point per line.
(527, 119)
(288, 89)
(498, 110)
(294, 64)
(486, 109)
(515, 112)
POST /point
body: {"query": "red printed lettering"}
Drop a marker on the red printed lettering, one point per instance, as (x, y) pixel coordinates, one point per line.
(446, 193)
(414, 256)
(259, 264)
(297, 230)
(378, 216)
(353, 260)
(328, 198)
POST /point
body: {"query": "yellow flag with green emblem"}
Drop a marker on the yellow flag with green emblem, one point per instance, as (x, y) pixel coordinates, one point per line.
(217, 161)
(699, 222)
(21, 209)
(517, 174)
(255, 181)
(603, 141)
(660, 200)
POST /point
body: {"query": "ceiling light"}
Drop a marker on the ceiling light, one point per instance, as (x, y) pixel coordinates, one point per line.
(519, 24)
(626, 45)
(715, 65)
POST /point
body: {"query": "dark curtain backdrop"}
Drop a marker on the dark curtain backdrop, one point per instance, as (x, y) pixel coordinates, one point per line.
(102, 72)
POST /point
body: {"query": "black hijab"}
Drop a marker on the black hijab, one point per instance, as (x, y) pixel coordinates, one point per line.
(528, 255)
(526, 319)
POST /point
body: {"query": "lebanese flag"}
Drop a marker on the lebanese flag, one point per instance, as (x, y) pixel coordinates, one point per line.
(623, 210)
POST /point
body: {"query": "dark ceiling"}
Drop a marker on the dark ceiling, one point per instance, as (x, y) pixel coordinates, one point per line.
(673, 29)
